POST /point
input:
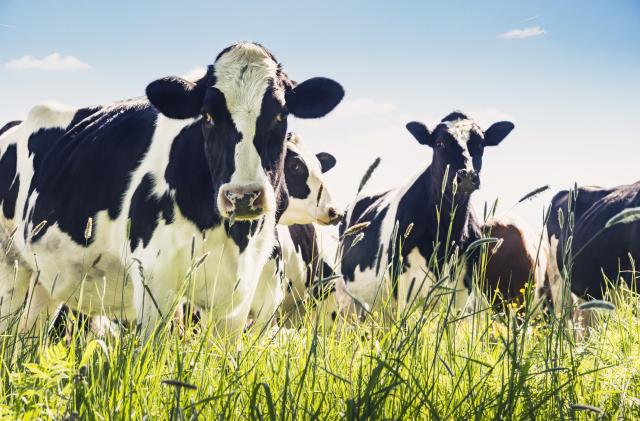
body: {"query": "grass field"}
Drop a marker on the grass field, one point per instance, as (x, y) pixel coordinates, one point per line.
(425, 365)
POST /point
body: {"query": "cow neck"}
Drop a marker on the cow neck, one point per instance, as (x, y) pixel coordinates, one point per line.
(436, 199)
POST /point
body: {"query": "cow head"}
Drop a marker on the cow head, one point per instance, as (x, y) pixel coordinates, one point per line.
(458, 143)
(243, 102)
(308, 198)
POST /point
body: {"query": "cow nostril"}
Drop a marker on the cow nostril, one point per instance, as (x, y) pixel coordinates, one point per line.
(231, 196)
(257, 200)
(332, 213)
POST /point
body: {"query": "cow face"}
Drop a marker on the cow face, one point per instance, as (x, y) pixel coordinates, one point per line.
(243, 103)
(309, 200)
(458, 144)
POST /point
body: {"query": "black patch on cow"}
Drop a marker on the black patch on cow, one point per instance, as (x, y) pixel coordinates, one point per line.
(270, 140)
(146, 208)
(188, 175)
(9, 125)
(296, 174)
(456, 115)
(86, 170)
(305, 242)
(358, 209)
(241, 232)
(9, 181)
(379, 259)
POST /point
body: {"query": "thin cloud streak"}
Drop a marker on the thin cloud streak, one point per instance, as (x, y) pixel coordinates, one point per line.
(520, 22)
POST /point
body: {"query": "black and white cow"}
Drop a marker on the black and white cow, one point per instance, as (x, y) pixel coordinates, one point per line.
(298, 260)
(594, 251)
(109, 202)
(371, 266)
(559, 229)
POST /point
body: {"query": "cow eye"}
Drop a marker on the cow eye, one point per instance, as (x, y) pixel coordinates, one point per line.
(440, 144)
(280, 117)
(207, 117)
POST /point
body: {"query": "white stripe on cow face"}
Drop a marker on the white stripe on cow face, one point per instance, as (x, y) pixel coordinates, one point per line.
(461, 131)
(243, 74)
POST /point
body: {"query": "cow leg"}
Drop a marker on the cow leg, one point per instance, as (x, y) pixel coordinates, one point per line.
(14, 286)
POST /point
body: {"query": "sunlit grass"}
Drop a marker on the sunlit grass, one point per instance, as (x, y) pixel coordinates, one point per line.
(427, 365)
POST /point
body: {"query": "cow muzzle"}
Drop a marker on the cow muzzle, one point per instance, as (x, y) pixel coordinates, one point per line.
(331, 217)
(468, 181)
(244, 202)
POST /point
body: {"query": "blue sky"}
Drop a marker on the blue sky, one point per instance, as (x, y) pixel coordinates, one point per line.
(566, 73)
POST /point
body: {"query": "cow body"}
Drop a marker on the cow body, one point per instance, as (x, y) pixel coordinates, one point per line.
(596, 251)
(115, 203)
(395, 261)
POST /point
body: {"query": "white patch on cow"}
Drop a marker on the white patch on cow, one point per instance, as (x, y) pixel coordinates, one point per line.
(311, 208)
(243, 75)
(461, 130)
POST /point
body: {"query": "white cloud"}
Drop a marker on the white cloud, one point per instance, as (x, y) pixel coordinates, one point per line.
(55, 62)
(532, 31)
(363, 107)
(6, 25)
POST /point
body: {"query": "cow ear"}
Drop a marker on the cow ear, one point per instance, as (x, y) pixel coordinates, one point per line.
(497, 132)
(420, 132)
(327, 161)
(176, 97)
(314, 97)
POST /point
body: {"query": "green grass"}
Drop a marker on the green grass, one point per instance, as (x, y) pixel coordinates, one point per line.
(427, 366)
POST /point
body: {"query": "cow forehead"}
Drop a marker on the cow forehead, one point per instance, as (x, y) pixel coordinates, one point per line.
(243, 74)
(309, 159)
(461, 129)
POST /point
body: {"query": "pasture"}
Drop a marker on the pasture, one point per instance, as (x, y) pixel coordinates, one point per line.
(336, 211)
(430, 362)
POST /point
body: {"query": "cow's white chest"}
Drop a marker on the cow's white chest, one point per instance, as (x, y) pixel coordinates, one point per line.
(228, 279)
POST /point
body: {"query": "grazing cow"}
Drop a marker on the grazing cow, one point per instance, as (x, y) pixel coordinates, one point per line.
(294, 260)
(384, 262)
(565, 206)
(110, 203)
(520, 258)
(597, 252)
